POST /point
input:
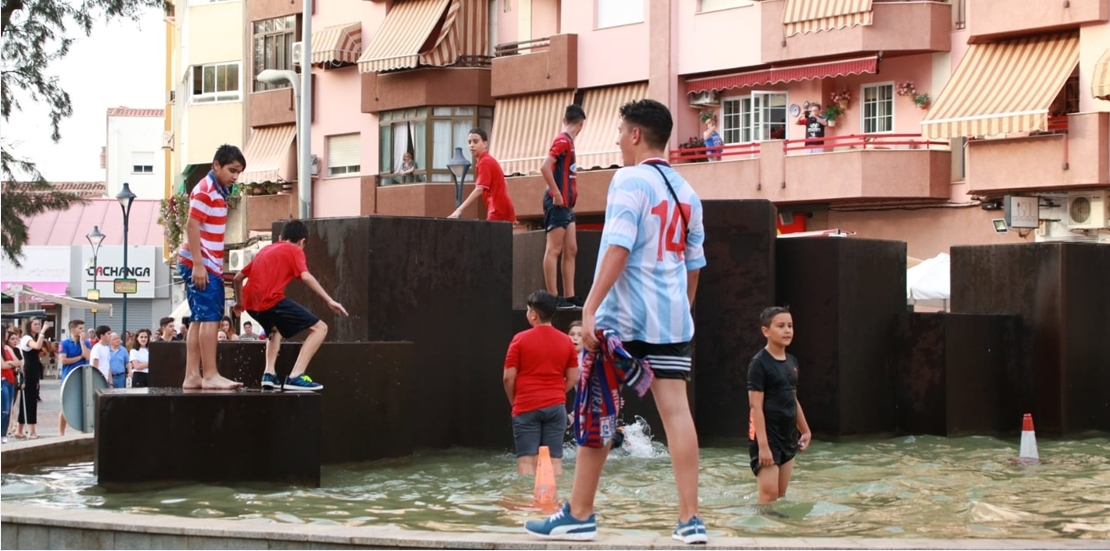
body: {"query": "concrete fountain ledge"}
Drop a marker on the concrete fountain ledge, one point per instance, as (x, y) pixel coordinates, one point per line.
(28, 527)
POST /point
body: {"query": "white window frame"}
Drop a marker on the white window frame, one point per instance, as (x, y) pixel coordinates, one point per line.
(139, 160)
(748, 129)
(709, 6)
(226, 96)
(863, 107)
(623, 14)
(345, 169)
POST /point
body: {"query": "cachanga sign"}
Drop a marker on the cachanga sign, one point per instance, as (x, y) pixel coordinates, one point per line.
(109, 266)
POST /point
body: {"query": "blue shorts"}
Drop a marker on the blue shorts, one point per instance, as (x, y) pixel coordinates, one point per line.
(206, 305)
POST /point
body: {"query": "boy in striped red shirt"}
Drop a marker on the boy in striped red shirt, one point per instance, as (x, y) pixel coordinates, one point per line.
(201, 264)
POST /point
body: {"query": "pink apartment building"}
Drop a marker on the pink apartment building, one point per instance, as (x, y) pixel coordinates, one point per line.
(1017, 106)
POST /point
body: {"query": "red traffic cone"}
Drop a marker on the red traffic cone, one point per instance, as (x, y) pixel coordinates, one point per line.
(1028, 454)
(544, 492)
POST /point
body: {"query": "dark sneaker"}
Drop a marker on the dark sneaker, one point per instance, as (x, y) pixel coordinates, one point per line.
(562, 526)
(301, 382)
(692, 531)
(270, 382)
(562, 303)
(577, 302)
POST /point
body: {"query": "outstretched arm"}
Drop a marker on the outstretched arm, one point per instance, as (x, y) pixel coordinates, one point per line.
(310, 280)
(474, 195)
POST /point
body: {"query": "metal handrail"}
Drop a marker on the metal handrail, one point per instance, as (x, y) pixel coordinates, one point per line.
(514, 48)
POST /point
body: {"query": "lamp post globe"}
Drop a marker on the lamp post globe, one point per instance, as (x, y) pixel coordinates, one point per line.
(458, 165)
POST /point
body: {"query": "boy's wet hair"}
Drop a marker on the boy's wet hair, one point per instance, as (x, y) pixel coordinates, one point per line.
(543, 304)
(480, 133)
(227, 154)
(574, 114)
(768, 314)
(653, 119)
(294, 231)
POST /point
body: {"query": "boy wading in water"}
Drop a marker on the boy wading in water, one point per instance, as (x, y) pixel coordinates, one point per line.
(777, 428)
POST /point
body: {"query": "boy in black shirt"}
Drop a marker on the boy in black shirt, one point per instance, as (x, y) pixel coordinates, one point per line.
(777, 428)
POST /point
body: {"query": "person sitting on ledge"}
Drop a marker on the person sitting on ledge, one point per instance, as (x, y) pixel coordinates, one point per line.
(264, 299)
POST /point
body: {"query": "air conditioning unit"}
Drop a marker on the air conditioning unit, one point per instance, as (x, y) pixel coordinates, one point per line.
(239, 260)
(704, 98)
(298, 53)
(314, 167)
(167, 139)
(1087, 210)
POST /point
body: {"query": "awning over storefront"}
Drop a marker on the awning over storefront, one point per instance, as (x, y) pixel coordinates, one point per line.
(811, 71)
(52, 287)
(523, 128)
(806, 16)
(596, 146)
(406, 28)
(267, 154)
(1003, 87)
(339, 44)
(51, 298)
(1100, 81)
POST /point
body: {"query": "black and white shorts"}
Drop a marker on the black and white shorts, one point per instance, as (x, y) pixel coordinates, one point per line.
(667, 361)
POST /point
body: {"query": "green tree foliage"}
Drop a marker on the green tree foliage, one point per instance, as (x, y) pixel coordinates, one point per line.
(35, 34)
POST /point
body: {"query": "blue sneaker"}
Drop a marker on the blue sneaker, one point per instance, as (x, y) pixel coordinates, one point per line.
(301, 382)
(692, 531)
(270, 382)
(562, 526)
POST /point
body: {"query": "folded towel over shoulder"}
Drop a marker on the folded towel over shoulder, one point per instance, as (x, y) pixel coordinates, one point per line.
(597, 401)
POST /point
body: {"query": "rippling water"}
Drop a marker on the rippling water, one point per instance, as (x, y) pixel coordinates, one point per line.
(903, 487)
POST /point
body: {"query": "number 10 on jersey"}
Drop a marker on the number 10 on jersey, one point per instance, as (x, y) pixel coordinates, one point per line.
(672, 231)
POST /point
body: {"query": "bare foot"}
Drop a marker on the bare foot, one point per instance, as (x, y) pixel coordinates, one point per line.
(192, 382)
(219, 382)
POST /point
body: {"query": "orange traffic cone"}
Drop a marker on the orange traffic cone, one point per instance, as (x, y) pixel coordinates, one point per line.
(544, 492)
(1028, 454)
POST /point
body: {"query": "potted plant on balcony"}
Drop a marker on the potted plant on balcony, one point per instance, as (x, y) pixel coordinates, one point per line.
(693, 143)
(922, 101)
(173, 215)
(831, 113)
(842, 99)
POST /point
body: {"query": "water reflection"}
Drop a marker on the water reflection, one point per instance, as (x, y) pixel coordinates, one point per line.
(904, 487)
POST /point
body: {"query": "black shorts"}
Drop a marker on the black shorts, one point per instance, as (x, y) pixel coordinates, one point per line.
(780, 452)
(287, 316)
(667, 361)
(555, 217)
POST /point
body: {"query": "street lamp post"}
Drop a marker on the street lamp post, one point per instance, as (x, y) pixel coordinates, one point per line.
(95, 239)
(458, 165)
(125, 198)
(300, 91)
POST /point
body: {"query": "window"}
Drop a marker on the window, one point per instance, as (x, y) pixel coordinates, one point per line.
(216, 82)
(714, 5)
(430, 135)
(344, 155)
(273, 48)
(878, 108)
(611, 13)
(755, 118)
(142, 162)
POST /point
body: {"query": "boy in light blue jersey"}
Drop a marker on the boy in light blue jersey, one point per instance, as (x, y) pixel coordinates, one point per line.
(647, 273)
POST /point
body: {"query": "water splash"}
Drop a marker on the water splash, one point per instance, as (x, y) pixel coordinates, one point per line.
(638, 442)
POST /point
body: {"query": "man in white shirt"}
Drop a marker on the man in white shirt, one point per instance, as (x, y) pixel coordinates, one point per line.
(101, 354)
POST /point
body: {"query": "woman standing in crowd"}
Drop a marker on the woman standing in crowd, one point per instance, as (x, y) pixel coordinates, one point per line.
(31, 345)
(140, 359)
(13, 360)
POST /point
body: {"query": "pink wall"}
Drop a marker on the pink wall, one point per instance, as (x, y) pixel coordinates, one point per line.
(608, 56)
(700, 45)
(927, 231)
(339, 111)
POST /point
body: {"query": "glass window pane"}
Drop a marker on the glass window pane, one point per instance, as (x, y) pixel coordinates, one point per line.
(420, 145)
(209, 79)
(410, 113)
(464, 111)
(441, 111)
(280, 59)
(441, 144)
(385, 157)
(485, 111)
(233, 77)
(421, 112)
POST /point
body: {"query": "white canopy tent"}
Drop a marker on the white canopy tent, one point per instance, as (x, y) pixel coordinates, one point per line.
(26, 290)
(929, 283)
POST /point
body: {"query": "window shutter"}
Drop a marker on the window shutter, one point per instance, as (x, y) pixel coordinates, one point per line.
(343, 151)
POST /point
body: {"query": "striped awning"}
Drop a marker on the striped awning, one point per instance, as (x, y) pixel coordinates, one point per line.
(811, 71)
(596, 146)
(268, 151)
(523, 128)
(806, 16)
(406, 28)
(465, 32)
(1100, 82)
(339, 44)
(1003, 87)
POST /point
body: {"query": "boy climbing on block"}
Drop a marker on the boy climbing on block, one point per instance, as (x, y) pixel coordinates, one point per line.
(263, 297)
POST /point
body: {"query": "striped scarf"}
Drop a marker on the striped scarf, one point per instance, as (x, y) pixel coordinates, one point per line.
(597, 401)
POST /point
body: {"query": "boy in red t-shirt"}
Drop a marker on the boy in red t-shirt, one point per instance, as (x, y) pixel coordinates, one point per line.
(263, 298)
(489, 181)
(540, 368)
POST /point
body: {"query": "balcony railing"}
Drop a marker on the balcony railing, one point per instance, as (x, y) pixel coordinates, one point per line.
(832, 143)
(703, 154)
(522, 47)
